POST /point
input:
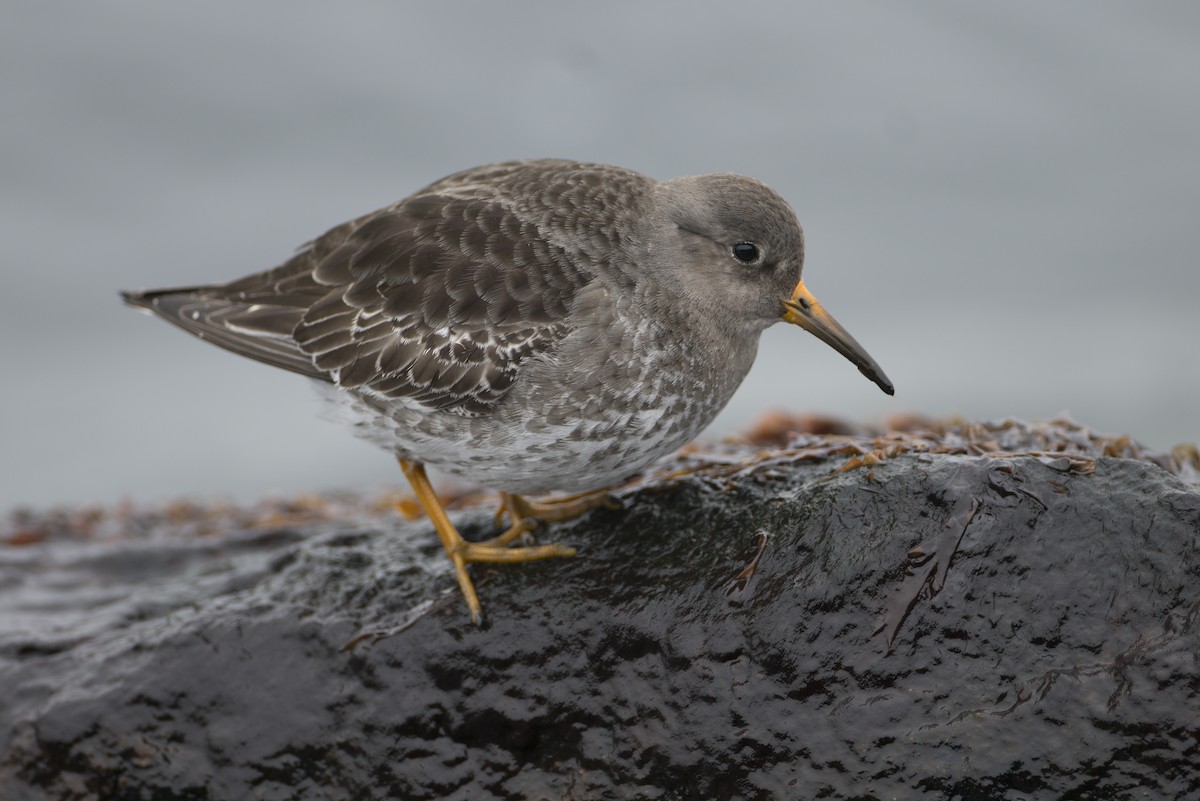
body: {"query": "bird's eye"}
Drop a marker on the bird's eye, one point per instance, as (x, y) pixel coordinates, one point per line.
(746, 252)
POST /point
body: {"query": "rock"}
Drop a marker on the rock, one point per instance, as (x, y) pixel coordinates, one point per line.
(987, 611)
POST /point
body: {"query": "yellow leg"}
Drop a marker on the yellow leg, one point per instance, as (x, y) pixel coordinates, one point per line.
(524, 513)
(462, 552)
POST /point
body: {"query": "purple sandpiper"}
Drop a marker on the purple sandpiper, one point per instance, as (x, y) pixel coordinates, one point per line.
(530, 326)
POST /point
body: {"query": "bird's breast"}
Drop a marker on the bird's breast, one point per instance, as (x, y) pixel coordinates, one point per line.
(612, 397)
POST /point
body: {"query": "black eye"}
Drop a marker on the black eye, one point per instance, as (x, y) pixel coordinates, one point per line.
(746, 252)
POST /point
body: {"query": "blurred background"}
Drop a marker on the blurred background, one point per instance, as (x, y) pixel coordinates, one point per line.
(1001, 201)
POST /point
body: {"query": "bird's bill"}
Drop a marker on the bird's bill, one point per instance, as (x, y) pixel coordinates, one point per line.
(802, 309)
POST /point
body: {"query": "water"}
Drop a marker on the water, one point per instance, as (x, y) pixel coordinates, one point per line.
(1000, 201)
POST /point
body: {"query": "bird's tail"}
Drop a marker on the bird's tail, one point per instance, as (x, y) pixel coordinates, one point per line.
(246, 328)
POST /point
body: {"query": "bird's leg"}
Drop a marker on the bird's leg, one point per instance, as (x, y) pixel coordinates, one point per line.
(521, 524)
(566, 507)
(462, 552)
(525, 514)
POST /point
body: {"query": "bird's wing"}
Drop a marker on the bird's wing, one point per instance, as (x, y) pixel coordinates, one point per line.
(436, 300)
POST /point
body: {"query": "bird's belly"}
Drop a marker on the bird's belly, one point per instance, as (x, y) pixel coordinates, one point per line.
(530, 451)
(557, 458)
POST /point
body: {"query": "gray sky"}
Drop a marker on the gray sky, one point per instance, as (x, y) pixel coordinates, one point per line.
(1000, 201)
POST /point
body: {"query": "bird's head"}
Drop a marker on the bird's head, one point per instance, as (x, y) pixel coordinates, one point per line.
(732, 247)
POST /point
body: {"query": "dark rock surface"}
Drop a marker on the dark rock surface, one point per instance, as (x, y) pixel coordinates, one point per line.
(1003, 611)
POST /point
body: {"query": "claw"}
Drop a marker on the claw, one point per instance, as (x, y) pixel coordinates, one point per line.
(495, 551)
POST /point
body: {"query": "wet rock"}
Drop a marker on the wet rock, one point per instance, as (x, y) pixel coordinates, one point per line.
(991, 611)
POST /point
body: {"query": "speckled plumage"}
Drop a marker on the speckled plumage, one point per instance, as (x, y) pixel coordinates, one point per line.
(529, 326)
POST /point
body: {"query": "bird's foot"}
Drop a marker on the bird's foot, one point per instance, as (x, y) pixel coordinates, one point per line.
(524, 514)
(497, 550)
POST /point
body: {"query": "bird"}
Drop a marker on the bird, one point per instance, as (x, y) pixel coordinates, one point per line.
(532, 326)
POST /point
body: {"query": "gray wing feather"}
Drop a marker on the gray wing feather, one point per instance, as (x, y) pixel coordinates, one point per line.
(257, 332)
(422, 308)
(436, 299)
